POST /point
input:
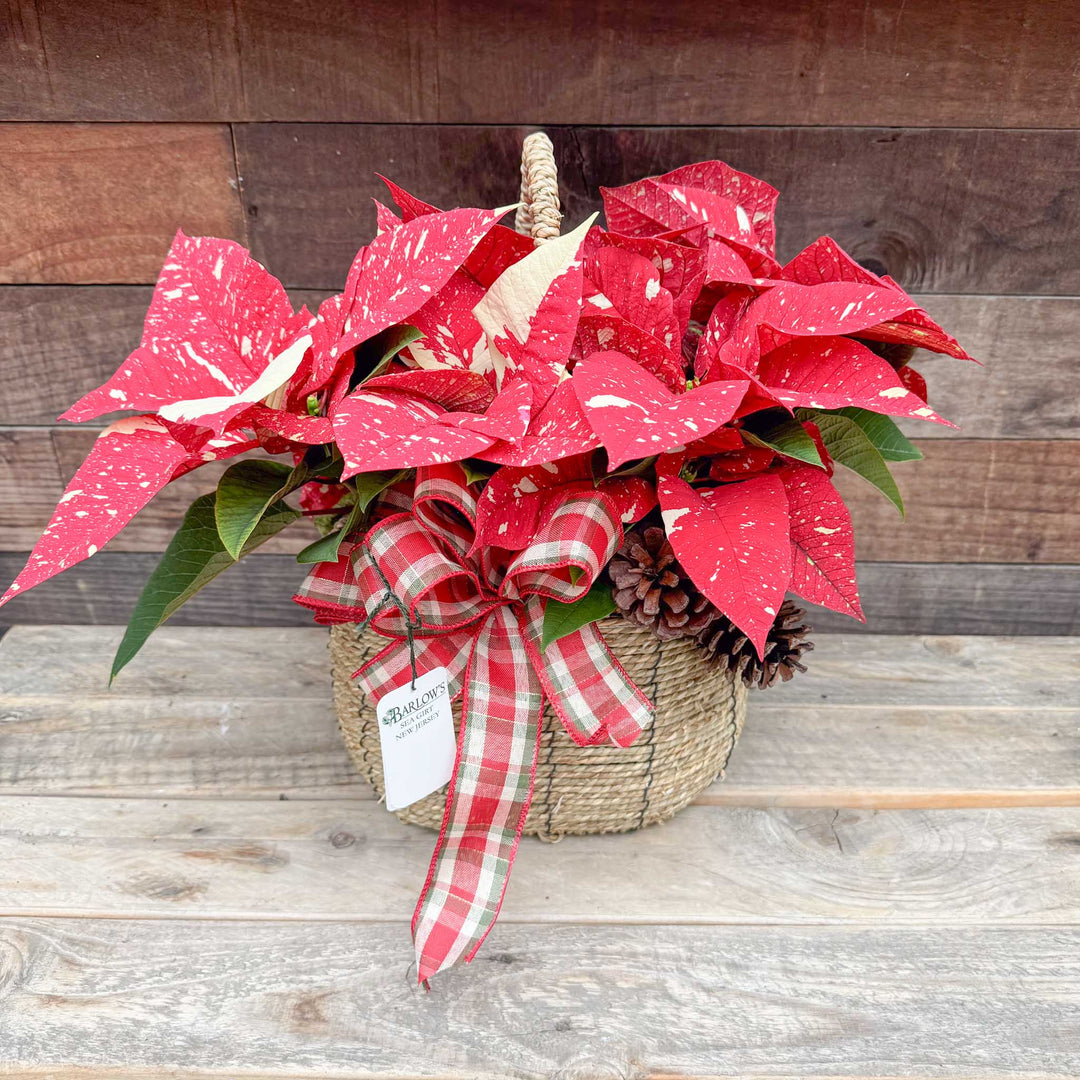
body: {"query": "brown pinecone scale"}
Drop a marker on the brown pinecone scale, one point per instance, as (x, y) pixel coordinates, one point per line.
(653, 590)
(729, 649)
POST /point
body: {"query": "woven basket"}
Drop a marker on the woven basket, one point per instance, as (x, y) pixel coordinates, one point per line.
(581, 789)
(586, 789)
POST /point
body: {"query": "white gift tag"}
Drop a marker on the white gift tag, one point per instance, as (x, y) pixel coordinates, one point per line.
(416, 732)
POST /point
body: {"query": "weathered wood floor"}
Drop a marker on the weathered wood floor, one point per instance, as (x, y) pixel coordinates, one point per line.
(193, 882)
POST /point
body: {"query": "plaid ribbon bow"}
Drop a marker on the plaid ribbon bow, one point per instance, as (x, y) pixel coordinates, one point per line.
(419, 579)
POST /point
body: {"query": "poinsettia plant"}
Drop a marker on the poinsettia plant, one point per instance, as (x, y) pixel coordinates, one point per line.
(668, 364)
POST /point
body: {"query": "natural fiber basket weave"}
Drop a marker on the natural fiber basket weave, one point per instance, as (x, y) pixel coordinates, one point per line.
(581, 789)
(586, 789)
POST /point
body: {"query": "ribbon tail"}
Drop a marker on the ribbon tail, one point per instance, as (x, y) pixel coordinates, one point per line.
(586, 686)
(489, 796)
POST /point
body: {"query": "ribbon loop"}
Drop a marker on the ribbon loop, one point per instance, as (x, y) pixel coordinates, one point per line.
(441, 500)
(582, 533)
(437, 591)
(342, 591)
(587, 688)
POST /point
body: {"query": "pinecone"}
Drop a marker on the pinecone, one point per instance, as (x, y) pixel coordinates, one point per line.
(729, 649)
(653, 590)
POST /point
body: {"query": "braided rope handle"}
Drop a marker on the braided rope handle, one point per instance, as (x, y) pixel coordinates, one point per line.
(539, 214)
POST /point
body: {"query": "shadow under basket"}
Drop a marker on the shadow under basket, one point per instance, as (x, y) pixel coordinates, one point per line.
(586, 789)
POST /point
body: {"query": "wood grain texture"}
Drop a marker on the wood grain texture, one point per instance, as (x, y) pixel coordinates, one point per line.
(117, 60)
(941, 209)
(57, 342)
(257, 591)
(1008, 398)
(970, 500)
(602, 1002)
(825, 62)
(973, 500)
(964, 598)
(898, 598)
(353, 861)
(101, 203)
(877, 721)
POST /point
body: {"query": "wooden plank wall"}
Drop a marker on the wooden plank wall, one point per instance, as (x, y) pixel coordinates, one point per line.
(940, 140)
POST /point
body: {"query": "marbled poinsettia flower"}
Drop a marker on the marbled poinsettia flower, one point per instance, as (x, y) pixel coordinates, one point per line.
(219, 338)
(802, 338)
(487, 377)
(225, 365)
(696, 203)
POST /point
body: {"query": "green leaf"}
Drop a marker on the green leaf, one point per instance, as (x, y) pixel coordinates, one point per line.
(244, 493)
(851, 447)
(194, 557)
(368, 487)
(562, 619)
(391, 342)
(478, 471)
(882, 431)
(326, 523)
(325, 549)
(634, 468)
(784, 434)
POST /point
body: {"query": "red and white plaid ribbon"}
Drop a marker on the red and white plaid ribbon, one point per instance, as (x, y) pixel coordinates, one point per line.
(480, 615)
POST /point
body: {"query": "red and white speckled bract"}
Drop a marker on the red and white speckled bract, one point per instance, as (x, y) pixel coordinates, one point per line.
(636, 416)
(836, 372)
(734, 543)
(822, 542)
(216, 320)
(129, 463)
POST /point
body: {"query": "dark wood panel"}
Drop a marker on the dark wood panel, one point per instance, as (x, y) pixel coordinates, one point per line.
(944, 210)
(939, 208)
(101, 203)
(1030, 347)
(57, 342)
(970, 500)
(899, 598)
(307, 188)
(976, 62)
(974, 501)
(961, 598)
(256, 592)
(117, 60)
